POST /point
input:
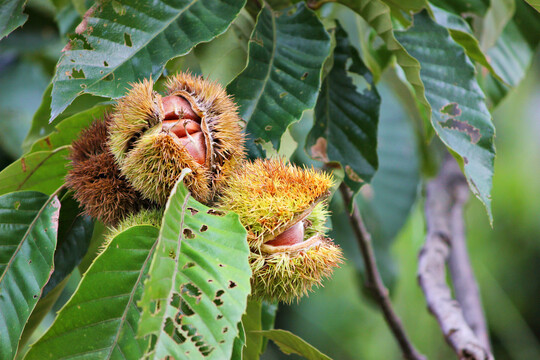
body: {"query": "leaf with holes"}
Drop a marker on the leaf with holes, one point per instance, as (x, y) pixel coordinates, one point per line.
(459, 113)
(287, 50)
(346, 118)
(100, 320)
(28, 228)
(117, 44)
(198, 282)
(11, 16)
(42, 171)
(292, 344)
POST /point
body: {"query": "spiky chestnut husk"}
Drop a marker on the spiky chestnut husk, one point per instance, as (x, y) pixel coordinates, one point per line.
(270, 196)
(288, 275)
(284, 210)
(95, 179)
(149, 141)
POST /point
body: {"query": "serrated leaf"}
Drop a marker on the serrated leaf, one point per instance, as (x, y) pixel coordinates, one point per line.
(459, 113)
(123, 43)
(74, 235)
(198, 282)
(100, 320)
(287, 50)
(43, 171)
(28, 228)
(346, 119)
(11, 16)
(463, 35)
(292, 344)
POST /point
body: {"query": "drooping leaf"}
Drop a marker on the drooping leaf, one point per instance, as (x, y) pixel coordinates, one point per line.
(459, 113)
(514, 50)
(287, 50)
(198, 282)
(100, 320)
(42, 171)
(463, 35)
(346, 118)
(495, 20)
(11, 16)
(74, 234)
(292, 344)
(122, 43)
(28, 229)
(377, 15)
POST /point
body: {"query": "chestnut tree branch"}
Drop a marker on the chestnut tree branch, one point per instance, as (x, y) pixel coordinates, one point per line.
(373, 281)
(445, 241)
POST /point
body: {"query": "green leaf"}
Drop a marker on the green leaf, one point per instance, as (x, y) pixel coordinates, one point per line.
(198, 282)
(292, 344)
(386, 204)
(377, 15)
(535, 4)
(100, 320)
(231, 48)
(43, 171)
(478, 7)
(25, 80)
(28, 228)
(346, 117)
(40, 123)
(74, 235)
(43, 307)
(68, 129)
(286, 53)
(463, 35)
(123, 43)
(252, 322)
(514, 50)
(458, 111)
(11, 16)
(495, 20)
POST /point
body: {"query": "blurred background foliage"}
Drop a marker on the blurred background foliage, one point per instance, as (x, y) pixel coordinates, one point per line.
(340, 319)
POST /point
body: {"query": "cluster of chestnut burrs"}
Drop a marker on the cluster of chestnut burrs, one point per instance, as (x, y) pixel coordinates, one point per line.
(123, 168)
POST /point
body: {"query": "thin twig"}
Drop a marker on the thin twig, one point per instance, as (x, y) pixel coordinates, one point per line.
(445, 198)
(374, 282)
